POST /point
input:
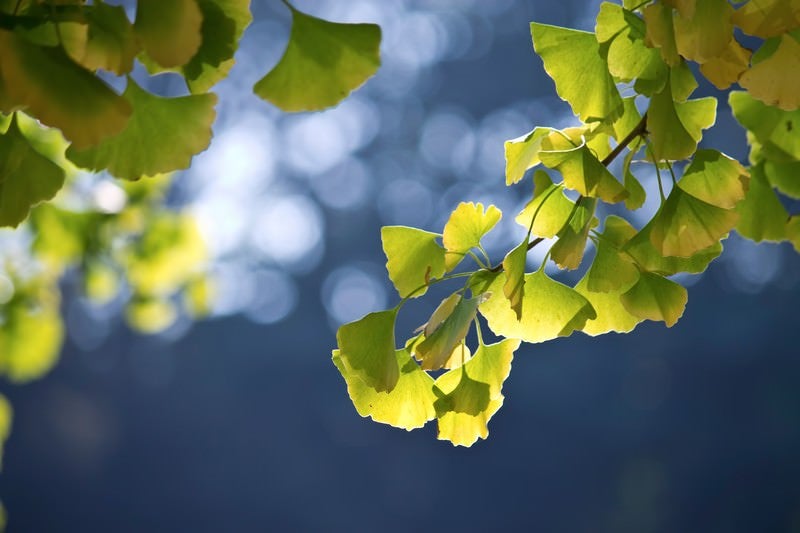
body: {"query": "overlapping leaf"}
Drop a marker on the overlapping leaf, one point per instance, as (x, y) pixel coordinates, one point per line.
(762, 215)
(413, 258)
(774, 128)
(169, 31)
(465, 228)
(568, 251)
(367, 350)
(438, 346)
(514, 267)
(768, 18)
(522, 153)
(774, 79)
(611, 269)
(549, 209)
(324, 61)
(654, 297)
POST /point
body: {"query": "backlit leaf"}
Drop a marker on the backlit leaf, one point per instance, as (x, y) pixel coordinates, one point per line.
(367, 350)
(676, 127)
(706, 34)
(162, 135)
(522, 153)
(656, 298)
(726, 69)
(465, 228)
(611, 313)
(573, 60)
(641, 249)
(150, 315)
(30, 341)
(770, 125)
(549, 309)
(612, 270)
(324, 61)
(761, 214)
(660, 32)
(568, 251)
(514, 267)
(53, 88)
(636, 193)
(715, 178)
(437, 347)
(26, 176)
(768, 18)
(110, 43)
(468, 397)
(774, 80)
(169, 31)
(413, 258)
(784, 176)
(550, 207)
(409, 405)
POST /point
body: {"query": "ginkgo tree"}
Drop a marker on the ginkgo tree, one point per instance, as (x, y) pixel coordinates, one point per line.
(630, 85)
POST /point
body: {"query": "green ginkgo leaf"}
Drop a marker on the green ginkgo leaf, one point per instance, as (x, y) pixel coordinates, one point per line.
(715, 178)
(522, 153)
(641, 249)
(568, 251)
(774, 80)
(169, 31)
(784, 176)
(772, 127)
(409, 405)
(324, 61)
(549, 209)
(465, 228)
(611, 269)
(628, 56)
(367, 350)
(514, 267)
(162, 135)
(468, 397)
(685, 225)
(582, 171)
(636, 193)
(660, 31)
(110, 41)
(762, 216)
(611, 313)
(414, 258)
(26, 176)
(768, 18)
(726, 69)
(549, 309)
(574, 61)
(676, 127)
(50, 86)
(656, 298)
(707, 33)
(437, 347)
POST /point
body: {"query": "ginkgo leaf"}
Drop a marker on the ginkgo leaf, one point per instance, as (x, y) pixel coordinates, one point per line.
(641, 249)
(612, 270)
(573, 60)
(6, 415)
(150, 315)
(460, 355)
(438, 346)
(761, 213)
(549, 309)
(522, 153)
(568, 251)
(367, 350)
(784, 176)
(169, 31)
(768, 18)
(706, 33)
(656, 298)
(324, 61)
(467, 224)
(770, 125)
(685, 8)
(628, 56)
(715, 178)
(50, 86)
(774, 80)
(468, 397)
(676, 127)
(726, 69)
(682, 82)
(549, 209)
(685, 225)
(162, 135)
(636, 193)
(627, 122)
(224, 22)
(110, 41)
(660, 31)
(611, 313)
(413, 259)
(793, 232)
(409, 405)
(440, 314)
(26, 176)
(514, 267)
(581, 169)
(30, 341)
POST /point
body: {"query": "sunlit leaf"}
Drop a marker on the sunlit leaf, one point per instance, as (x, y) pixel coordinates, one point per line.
(550, 207)
(762, 215)
(367, 350)
(522, 153)
(110, 42)
(715, 178)
(514, 267)
(660, 32)
(53, 88)
(768, 18)
(611, 314)
(468, 397)
(438, 346)
(413, 258)
(573, 60)
(676, 127)
(636, 193)
(641, 249)
(409, 405)
(568, 251)
(654, 297)
(612, 270)
(324, 61)
(150, 315)
(30, 341)
(706, 33)
(686, 8)
(169, 31)
(549, 309)
(26, 176)
(770, 125)
(784, 176)
(682, 82)
(162, 135)
(465, 228)
(774, 80)
(728, 67)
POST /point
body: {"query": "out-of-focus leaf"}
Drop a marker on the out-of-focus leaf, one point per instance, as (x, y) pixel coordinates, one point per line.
(726, 69)
(774, 80)
(437, 347)
(169, 31)
(568, 251)
(30, 341)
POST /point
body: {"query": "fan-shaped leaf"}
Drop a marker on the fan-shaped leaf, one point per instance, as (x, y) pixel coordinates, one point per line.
(568, 251)
(549, 206)
(715, 178)
(768, 18)
(762, 215)
(367, 350)
(437, 347)
(514, 267)
(706, 33)
(612, 270)
(656, 298)
(413, 258)
(774, 80)
(611, 314)
(676, 127)
(169, 31)
(465, 228)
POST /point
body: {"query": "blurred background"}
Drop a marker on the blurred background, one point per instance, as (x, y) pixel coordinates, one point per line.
(241, 422)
